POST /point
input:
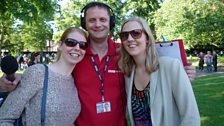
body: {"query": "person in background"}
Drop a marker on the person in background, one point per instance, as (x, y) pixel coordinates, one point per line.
(215, 61)
(201, 61)
(159, 92)
(62, 103)
(208, 60)
(41, 57)
(47, 58)
(20, 61)
(108, 89)
(34, 59)
(221, 53)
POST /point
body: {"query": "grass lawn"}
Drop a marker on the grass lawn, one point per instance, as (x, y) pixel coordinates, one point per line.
(209, 93)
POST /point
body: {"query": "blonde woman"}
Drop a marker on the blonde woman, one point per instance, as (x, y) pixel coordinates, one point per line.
(62, 102)
(159, 92)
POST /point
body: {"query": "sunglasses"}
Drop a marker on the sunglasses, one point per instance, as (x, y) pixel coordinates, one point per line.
(135, 34)
(72, 43)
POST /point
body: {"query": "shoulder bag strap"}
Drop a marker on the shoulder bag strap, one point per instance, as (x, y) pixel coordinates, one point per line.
(43, 104)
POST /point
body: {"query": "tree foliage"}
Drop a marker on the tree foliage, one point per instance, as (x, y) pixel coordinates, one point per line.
(27, 12)
(197, 22)
(25, 23)
(144, 9)
(69, 16)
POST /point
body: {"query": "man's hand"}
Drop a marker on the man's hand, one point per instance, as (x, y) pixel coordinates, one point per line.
(8, 86)
(190, 70)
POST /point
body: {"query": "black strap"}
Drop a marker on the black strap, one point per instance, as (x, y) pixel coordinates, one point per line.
(98, 74)
(43, 104)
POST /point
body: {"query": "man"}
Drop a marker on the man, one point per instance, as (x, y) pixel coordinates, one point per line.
(102, 100)
(98, 79)
(34, 59)
(215, 61)
(208, 59)
(20, 61)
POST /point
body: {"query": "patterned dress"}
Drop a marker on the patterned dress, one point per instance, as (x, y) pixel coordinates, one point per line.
(140, 101)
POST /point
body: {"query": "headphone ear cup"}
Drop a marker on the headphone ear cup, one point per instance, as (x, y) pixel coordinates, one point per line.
(112, 22)
(83, 24)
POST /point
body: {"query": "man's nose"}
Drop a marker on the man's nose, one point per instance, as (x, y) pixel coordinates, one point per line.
(98, 23)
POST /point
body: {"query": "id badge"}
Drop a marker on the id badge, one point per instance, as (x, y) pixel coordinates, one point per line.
(102, 107)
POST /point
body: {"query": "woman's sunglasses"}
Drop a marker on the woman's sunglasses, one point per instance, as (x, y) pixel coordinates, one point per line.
(72, 43)
(136, 34)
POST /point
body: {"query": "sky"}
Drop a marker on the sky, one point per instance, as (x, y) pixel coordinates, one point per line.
(63, 2)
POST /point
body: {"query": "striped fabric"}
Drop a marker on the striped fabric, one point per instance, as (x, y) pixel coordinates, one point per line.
(140, 106)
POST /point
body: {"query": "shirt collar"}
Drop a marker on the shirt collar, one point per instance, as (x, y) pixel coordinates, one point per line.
(111, 47)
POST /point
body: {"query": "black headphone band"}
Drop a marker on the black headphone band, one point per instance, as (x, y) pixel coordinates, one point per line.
(95, 4)
(100, 4)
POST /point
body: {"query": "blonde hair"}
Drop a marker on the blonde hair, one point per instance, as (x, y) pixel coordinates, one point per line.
(126, 61)
(65, 35)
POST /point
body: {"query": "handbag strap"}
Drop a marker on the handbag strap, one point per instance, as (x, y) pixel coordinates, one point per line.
(43, 104)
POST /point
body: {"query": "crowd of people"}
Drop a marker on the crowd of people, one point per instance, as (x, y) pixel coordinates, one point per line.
(211, 61)
(26, 60)
(95, 79)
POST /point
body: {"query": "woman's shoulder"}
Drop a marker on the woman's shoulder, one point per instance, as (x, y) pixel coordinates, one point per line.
(36, 68)
(32, 78)
(169, 63)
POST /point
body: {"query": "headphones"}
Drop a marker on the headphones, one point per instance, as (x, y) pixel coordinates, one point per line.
(98, 4)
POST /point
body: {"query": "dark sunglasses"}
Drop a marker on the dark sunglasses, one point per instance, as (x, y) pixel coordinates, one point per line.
(72, 43)
(135, 34)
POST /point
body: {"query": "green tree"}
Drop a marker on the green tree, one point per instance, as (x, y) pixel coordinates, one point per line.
(144, 9)
(27, 11)
(68, 16)
(198, 23)
(35, 36)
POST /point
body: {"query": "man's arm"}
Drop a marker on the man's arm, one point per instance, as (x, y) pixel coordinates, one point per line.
(190, 70)
(8, 86)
